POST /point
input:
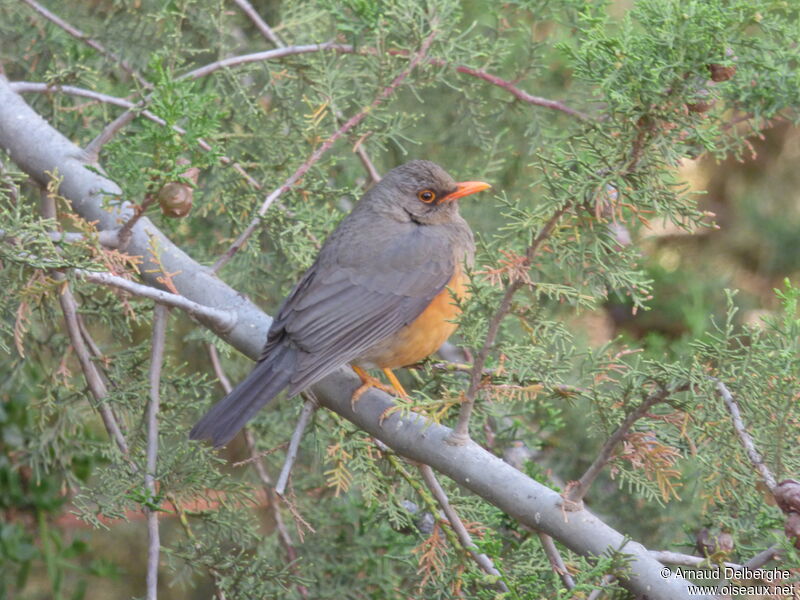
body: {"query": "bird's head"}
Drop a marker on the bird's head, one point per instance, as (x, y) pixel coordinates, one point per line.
(421, 191)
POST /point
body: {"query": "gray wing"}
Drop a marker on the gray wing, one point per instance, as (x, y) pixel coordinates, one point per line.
(344, 304)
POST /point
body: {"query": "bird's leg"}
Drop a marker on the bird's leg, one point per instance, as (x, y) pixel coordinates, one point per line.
(395, 383)
(368, 381)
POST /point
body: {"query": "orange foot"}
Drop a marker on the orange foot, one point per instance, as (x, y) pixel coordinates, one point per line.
(368, 381)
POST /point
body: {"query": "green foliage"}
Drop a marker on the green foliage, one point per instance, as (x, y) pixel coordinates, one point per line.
(570, 188)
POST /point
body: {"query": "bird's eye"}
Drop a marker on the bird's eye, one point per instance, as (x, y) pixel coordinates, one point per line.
(426, 196)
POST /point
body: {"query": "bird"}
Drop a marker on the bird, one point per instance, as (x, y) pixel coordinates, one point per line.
(383, 293)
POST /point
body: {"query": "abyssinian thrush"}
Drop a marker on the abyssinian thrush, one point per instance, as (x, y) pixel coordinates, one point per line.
(381, 294)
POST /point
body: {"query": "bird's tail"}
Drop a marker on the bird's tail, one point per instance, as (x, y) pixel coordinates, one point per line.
(230, 414)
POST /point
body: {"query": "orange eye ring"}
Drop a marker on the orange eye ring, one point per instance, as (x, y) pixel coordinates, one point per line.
(426, 196)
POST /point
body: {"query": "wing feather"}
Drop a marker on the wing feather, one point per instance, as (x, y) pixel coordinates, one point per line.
(344, 306)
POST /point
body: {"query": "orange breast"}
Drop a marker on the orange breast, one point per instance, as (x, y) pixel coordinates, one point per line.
(425, 335)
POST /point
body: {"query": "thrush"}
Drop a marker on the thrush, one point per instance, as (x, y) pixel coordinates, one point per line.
(382, 293)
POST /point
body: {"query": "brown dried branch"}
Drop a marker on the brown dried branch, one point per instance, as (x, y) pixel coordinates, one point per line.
(521, 94)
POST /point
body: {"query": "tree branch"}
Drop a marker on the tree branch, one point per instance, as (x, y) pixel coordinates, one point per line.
(214, 318)
(95, 45)
(22, 87)
(160, 316)
(676, 558)
(521, 94)
(260, 24)
(744, 437)
(483, 561)
(577, 490)
(38, 149)
(261, 470)
(94, 381)
(309, 407)
(554, 556)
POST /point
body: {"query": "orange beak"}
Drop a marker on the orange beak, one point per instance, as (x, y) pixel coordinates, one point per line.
(465, 188)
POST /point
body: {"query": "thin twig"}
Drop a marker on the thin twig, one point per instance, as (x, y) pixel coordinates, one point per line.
(309, 407)
(216, 364)
(460, 433)
(33, 87)
(556, 561)
(323, 148)
(93, 148)
(374, 175)
(235, 61)
(160, 316)
(106, 238)
(763, 557)
(94, 44)
(521, 94)
(744, 437)
(282, 51)
(483, 561)
(222, 320)
(261, 470)
(260, 24)
(124, 233)
(358, 148)
(578, 489)
(93, 379)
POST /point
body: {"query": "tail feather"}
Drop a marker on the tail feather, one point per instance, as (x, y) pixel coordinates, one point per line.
(230, 414)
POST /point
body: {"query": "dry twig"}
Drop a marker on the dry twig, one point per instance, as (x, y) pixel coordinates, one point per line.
(577, 490)
(260, 24)
(556, 561)
(160, 315)
(309, 407)
(483, 561)
(216, 318)
(747, 441)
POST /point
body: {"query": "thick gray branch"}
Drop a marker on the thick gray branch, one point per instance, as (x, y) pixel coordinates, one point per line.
(38, 149)
(43, 153)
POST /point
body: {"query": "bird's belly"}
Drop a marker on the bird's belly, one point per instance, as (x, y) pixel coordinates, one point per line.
(424, 335)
